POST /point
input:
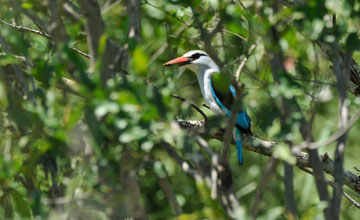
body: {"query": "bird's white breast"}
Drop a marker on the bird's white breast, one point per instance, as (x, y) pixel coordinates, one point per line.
(204, 82)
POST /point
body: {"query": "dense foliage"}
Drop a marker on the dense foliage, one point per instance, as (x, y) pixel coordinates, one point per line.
(86, 138)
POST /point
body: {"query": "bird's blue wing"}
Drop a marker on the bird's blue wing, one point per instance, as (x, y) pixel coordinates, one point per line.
(224, 94)
(219, 88)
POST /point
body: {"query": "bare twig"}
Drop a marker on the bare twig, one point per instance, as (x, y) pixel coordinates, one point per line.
(27, 29)
(315, 161)
(328, 49)
(342, 75)
(195, 81)
(133, 11)
(244, 58)
(109, 6)
(171, 15)
(235, 34)
(314, 81)
(163, 48)
(334, 56)
(268, 172)
(184, 165)
(218, 177)
(57, 28)
(265, 148)
(113, 56)
(276, 65)
(130, 189)
(228, 136)
(214, 165)
(166, 187)
(347, 196)
(231, 124)
(40, 23)
(290, 202)
(207, 36)
(71, 12)
(192, 105)
(41, 34)
(332, 138)
(18, 73)
(353, 201)
(94, 26)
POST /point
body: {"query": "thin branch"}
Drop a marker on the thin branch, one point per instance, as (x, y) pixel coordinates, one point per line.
(328, 49)
(276, 65)
(268, 172)
(265, 148)
(193, 82)
(94, 29)
(184, 164)
(231, 124)
(18, 73)
(56, 26)
(214, 165)
(66, 85)
(71, 12)
(342, 74)
(22, 28)
(109, 6)
(171, 15)
(235, 34)
(334, 137)
(192, 105)
(27, 29)
(130, 189)
(220, 175)
(207, 36)
(353, 201)
(133, 12)
(163, 48)
(80, 52)
(244, 58)
(169, 192)
(228, 136)
(314, 81)
(40, 23)
(113, 57)
(347, 196)
(333, 57)
(316, 165)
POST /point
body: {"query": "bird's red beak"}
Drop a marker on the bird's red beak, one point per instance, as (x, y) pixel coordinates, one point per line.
(179, 60)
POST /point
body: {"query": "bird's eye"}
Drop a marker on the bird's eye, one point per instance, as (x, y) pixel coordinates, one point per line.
(196, 56)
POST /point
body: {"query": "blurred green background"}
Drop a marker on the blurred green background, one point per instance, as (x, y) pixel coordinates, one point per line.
(90, 155)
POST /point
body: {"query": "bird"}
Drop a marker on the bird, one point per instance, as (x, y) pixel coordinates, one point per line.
(217, 90)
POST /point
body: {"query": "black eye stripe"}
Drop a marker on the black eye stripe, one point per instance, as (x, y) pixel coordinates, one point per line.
(196, 56)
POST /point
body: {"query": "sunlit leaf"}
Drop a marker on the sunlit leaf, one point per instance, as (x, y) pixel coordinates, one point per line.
(140, 61)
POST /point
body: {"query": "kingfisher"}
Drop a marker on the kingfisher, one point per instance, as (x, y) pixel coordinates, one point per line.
(217, 90)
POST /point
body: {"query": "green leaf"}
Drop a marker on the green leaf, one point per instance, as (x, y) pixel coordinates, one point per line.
(352, 42)
(26, 5)
(8, 59)
(21, 206)
(140, 61)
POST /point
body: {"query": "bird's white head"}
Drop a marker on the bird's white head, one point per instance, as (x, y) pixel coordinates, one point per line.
(197, 61)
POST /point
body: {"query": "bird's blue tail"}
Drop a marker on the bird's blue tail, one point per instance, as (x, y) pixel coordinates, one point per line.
(238, 146)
